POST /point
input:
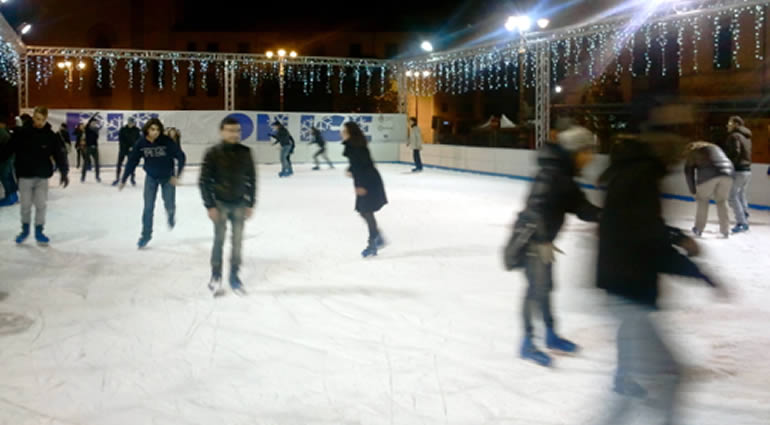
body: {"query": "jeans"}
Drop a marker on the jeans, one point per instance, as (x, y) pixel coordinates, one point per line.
(718, 188)
(7, 178)
(371, 223)
(236, 214)
(122, 155)
(642, 352)
(91, 152)
(322, 153)
(150, 194)
(285, 163)
(738, 201)
(33, 191)
(540, 284)
(417, 159)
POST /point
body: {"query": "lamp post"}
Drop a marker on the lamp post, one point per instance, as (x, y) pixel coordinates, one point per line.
(281, 72)
(67, 66)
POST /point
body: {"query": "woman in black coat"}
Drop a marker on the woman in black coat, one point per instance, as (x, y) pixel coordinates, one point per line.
(370, 192)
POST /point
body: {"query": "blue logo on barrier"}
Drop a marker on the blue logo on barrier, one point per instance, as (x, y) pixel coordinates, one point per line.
(247, 125)
(263, 125)
(330, 126)
(113, 123)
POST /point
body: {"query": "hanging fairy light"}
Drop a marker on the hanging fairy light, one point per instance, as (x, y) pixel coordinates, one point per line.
(161, 66)
(204, 74)
(174, 72)
(142, 73)
(113, 63)
(130, 69)
(662, 41)
(717, 30)
(679, 46)
(648, 46)
(735, 30)
(759, 20)
(696, 38)
(97, 64)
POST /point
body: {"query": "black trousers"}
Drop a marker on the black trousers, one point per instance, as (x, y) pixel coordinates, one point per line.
(540, 280)
(91, 152)
(417, 159)
(123, 155)
(371, 223)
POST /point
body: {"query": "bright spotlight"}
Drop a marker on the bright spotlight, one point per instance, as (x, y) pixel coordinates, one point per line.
(282, 53)
(427, 46)
(409, 73)
(25, 28)
(426, 74)
(543, 23)
(522, 23)
(68, 64)
(60, 65)
(81, 65)
(558, 89)
(269, 54)
(293, 54)
(510, 24)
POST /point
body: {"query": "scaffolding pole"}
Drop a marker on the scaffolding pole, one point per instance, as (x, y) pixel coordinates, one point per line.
(542, 93)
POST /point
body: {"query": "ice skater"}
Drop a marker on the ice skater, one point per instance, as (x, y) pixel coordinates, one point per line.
(415, 143)
(369, 189)
(282, 137)
(33, 146)
(7, 179)
(554, 193)
(319, 140)
(635, 246)
(738, 149)
(91, 152)
(159, 153)
(228, 184)
(709, 173)
(127, 137)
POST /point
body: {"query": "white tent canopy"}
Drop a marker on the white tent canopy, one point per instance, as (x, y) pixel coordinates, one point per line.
(504, 122)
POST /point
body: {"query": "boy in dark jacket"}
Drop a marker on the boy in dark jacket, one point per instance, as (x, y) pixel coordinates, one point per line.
(635, 246)
(159, 153)
(709, 173)
(283, 138)
(319, 140)
(34, 145)
(91, 152)
(554, 193)
(128, 136)
(228, 184)
(738, 149)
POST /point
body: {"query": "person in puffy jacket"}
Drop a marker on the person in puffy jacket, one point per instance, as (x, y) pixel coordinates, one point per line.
(738, 149)
(228, 184)
(709, 174)
(34, 145)
(554, 193)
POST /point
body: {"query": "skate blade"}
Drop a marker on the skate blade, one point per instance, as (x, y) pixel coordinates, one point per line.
(240, 292)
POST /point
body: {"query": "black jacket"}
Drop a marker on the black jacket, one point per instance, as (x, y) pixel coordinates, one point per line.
(228, 175)
(92, 134)
(554, 193)
(159, 157)
(738, 148)
(365, 175)
(707, 161)
(283, 137)
(34, 148)
(318, 140)
(635, 244)
(64, 136)
(128, 136)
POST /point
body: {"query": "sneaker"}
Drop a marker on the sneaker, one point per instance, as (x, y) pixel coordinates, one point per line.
(98, 180)
(116, 182)
(555, 342)
(370, 251)
(379, 242)
(143, 241)
(530, 352)
(696, 232)
(740, 228)
(215, 284)
(316, 168)
(23, 235)
(41, 238)
(171, 222)
(236, 285)
(133, 181)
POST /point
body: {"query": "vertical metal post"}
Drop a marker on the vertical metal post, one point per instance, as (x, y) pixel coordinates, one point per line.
(229, 85)
(401, 87)
(282, 82)
(542, 93)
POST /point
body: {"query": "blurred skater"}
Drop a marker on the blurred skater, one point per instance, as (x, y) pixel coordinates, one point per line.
(554, 193)
(369, 189)
(709, 174)
(319, 140)
(228, 184)
(127, 137)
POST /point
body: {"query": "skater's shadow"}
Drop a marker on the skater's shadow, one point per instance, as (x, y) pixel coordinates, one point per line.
(3, 296)
(337, 291)
(444, 252)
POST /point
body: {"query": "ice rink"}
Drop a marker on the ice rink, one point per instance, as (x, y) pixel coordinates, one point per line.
(93, 331)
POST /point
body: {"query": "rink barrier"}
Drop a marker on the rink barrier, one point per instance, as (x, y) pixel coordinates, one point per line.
(527, 178)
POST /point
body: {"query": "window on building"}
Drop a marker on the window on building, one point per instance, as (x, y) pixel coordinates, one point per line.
(212, 82)
(724, 45)
(391, 50)
(356, 51)
(191, 85)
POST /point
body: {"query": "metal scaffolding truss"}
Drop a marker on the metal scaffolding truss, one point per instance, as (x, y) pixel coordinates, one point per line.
(542, 93)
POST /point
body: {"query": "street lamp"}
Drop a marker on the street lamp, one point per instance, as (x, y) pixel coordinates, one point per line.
(25, 28)
(281, 70)
(543, 23)
(282, 53)
(426, 46)
(558, 89)
(293, 54)
(409, 73)
(426, 74)
(269, 54)
(67, 65)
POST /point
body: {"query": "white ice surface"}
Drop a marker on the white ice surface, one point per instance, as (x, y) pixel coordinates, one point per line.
(93, 331)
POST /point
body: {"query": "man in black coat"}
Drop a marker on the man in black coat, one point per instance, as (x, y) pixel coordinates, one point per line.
(709, 173)
(127, 137)
(554, 193)
(635, 246)
(283, 138)
(34, 145)
(228, 184)
(92, 147)
(738, 149)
